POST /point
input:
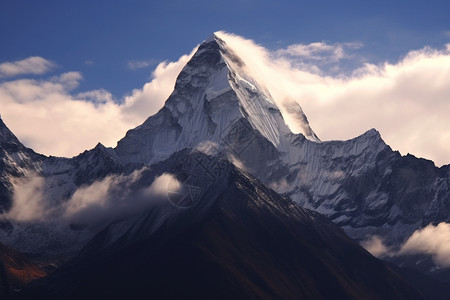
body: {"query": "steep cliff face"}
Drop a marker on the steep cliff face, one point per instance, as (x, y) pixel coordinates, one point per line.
(15, 161)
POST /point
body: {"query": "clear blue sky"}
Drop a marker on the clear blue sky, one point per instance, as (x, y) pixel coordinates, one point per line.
(98, 38)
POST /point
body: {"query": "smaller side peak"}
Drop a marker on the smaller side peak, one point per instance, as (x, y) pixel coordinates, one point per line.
(108, 150)
(372, 132)
(100, 146)
(372, 135)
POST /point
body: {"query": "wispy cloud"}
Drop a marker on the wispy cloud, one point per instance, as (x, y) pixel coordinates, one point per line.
(431, 240)
(376, 246)
(31, 65)
(29, 202)
(140, 64)
(321, 57)
(113, 197)
(319, 51)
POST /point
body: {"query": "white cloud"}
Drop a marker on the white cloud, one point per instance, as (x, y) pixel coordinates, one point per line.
(431, 240)
(48, 118)
(70, 80)
(29, 202)
(376, 247)
(112, 198)
(116, 197)
(97, 96)
(30, 65)
(319, 51)
(408, 101)
(321, 58)
(162, 184)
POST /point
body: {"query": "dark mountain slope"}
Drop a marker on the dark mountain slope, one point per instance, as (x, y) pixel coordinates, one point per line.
(240, 241)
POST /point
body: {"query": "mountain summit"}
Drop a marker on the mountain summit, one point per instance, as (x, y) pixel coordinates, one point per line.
(214, 96)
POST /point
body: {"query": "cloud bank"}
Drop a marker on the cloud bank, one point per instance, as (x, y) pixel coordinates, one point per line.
(103, 201)
(431, 240)
(115, 197)
(47, 116)
(407, 101)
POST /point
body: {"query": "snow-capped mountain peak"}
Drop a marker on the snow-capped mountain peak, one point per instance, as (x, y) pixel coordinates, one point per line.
(213, 93)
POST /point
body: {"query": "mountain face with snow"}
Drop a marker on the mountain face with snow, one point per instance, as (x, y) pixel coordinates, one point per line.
(218, 108)
(361, 184)
(214, 102)
(33, 186)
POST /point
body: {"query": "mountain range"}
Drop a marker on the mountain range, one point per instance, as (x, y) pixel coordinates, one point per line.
(214, 195)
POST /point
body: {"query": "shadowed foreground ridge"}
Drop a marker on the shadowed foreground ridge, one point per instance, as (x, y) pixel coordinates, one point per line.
(241, 241)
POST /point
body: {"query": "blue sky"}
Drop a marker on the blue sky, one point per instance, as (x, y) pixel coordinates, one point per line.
(99, 38)
(74, 73)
